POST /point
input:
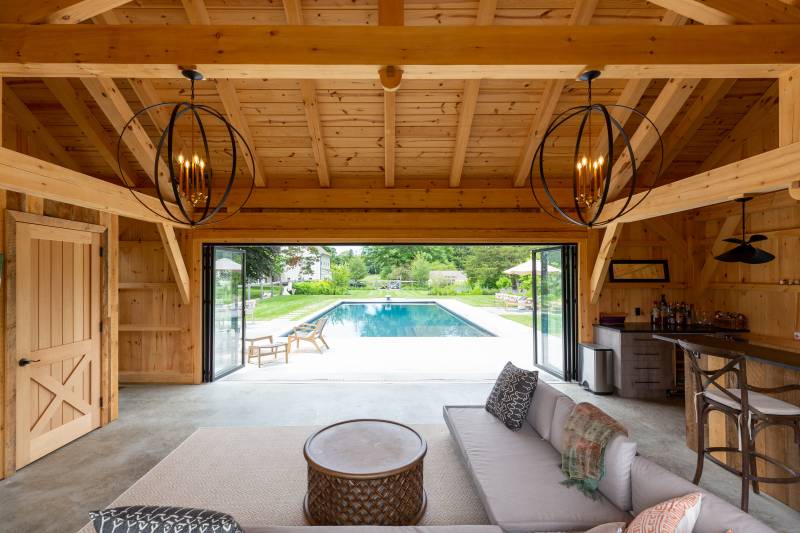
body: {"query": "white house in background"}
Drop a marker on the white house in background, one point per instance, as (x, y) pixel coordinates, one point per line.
(320, 268)
(446, 277)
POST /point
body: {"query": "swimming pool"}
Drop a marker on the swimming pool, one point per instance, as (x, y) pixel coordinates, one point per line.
(384, 319)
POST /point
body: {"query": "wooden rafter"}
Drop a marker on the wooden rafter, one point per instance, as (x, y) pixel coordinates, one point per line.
(696, 10)
(308, 90)
(667, 105)
(766, 172)
(28, 122)
(352, 52)
(789, 118)
(607, 248)
(176, 264)
(56, 11)
(197, 13)
(581, 16)
(758, 114)
(110, 100)
(631, 94)
(469, 101)
(28, 175)
(91, 128)
(679, 136)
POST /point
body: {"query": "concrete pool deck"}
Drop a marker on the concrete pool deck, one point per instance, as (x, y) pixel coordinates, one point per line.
(389, 359)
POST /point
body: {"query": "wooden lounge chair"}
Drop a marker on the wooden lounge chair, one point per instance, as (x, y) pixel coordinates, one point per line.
(257, 351)
(311, 333)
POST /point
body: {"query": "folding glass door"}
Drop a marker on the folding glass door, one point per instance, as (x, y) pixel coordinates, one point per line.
(555, 309)
(224, 311)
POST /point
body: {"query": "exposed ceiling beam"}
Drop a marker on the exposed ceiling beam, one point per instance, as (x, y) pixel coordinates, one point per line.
(308, 90)
(607, 248)
(197, 13)
(29, 123)
(175, 258)
(679, 136)
(760, 113)
(789, 118)
(355, 52)
(390, 13)
(91, 128)
(27, 175)
(667, 105)
(469, 101)
(758, 11)
(581, 16)
(697, 10)
(631, 94)
(111, 102)
(55, 11)
(767, 172)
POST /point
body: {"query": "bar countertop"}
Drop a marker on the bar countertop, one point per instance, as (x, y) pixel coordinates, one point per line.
(646, 327)
(755, 351)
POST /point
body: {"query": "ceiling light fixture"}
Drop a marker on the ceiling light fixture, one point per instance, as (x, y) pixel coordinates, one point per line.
(592, 164)
(187, 187)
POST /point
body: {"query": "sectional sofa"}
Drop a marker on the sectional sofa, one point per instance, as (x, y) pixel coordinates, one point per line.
(518, 474)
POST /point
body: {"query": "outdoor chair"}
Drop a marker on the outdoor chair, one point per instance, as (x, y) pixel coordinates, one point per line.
(257, 351)
(311, 332)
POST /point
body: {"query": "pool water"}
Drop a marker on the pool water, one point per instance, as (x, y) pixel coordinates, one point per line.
(397, 320)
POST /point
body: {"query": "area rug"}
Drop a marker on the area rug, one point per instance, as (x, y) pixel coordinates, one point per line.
(258, 475)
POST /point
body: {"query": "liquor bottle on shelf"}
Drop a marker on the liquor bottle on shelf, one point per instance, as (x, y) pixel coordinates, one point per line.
(680, 315)
(663, 311)
(655, 314)
(690, 315)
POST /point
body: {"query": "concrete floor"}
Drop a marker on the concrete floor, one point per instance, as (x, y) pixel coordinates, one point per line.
(55, 493)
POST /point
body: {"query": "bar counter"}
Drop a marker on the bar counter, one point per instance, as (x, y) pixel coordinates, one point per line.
(767, 366)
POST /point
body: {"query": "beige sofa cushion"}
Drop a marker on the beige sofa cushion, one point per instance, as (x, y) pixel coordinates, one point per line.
(518, 477)
(540, 415)
(620, 452)
(652, 484)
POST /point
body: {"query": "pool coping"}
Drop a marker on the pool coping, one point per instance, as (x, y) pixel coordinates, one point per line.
(440, 302)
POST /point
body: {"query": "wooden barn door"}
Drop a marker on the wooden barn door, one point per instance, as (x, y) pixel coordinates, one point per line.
(57, 337)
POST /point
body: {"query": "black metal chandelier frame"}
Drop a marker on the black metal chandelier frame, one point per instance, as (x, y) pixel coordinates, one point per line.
(207, 211)
(609, 121)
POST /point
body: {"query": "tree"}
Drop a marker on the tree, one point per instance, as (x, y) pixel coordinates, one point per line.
(357, 267)
(399, 272)
(503, 282)
(485, 264)
(340, 275)
(341, 258)
(263, 262)
(303, 257)
(420, 269)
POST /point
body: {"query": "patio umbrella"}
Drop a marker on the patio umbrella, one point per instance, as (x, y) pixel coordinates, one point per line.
(226, 264)
(526, 269)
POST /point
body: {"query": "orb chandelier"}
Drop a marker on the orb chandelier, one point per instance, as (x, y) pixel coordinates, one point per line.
(192, 186)
(592, 186)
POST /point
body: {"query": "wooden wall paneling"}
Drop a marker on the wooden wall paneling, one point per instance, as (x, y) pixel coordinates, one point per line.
(604, 256)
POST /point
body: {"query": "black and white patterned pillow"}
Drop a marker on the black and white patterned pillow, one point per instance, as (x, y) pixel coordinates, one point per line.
(161, 519)
(512, 394)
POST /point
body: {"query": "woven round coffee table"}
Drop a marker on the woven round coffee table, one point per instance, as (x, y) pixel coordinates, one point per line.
(365, 472)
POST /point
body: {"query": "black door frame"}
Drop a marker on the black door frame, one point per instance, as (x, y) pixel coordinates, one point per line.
(569, 295)
(208, 310)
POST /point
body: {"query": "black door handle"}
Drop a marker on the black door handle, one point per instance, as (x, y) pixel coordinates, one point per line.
(26, 362)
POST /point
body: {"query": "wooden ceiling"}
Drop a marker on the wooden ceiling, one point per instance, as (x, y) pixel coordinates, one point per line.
(450, 132)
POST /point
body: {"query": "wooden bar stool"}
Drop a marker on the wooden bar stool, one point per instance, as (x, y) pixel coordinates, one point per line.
(752, 409)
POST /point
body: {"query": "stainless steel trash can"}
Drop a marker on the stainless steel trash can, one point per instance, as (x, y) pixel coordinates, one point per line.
(597, 368)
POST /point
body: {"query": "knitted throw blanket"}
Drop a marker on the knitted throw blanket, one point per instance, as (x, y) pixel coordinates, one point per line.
(587, 432)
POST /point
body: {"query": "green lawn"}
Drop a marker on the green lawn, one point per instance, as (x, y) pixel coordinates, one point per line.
(300, 305)
(524, 319)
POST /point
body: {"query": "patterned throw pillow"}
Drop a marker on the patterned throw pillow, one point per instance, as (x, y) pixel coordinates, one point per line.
(511, 396)
(677, 515)
(155, 519)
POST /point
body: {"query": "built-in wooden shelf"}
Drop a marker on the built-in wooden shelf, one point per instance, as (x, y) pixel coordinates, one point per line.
(147, 285)
(772, 287)
(145, 327)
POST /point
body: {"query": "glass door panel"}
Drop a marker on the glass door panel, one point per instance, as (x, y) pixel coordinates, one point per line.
(555, 309)
(225, 311)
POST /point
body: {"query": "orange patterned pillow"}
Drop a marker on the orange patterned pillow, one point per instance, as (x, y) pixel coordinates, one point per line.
(677, 515)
